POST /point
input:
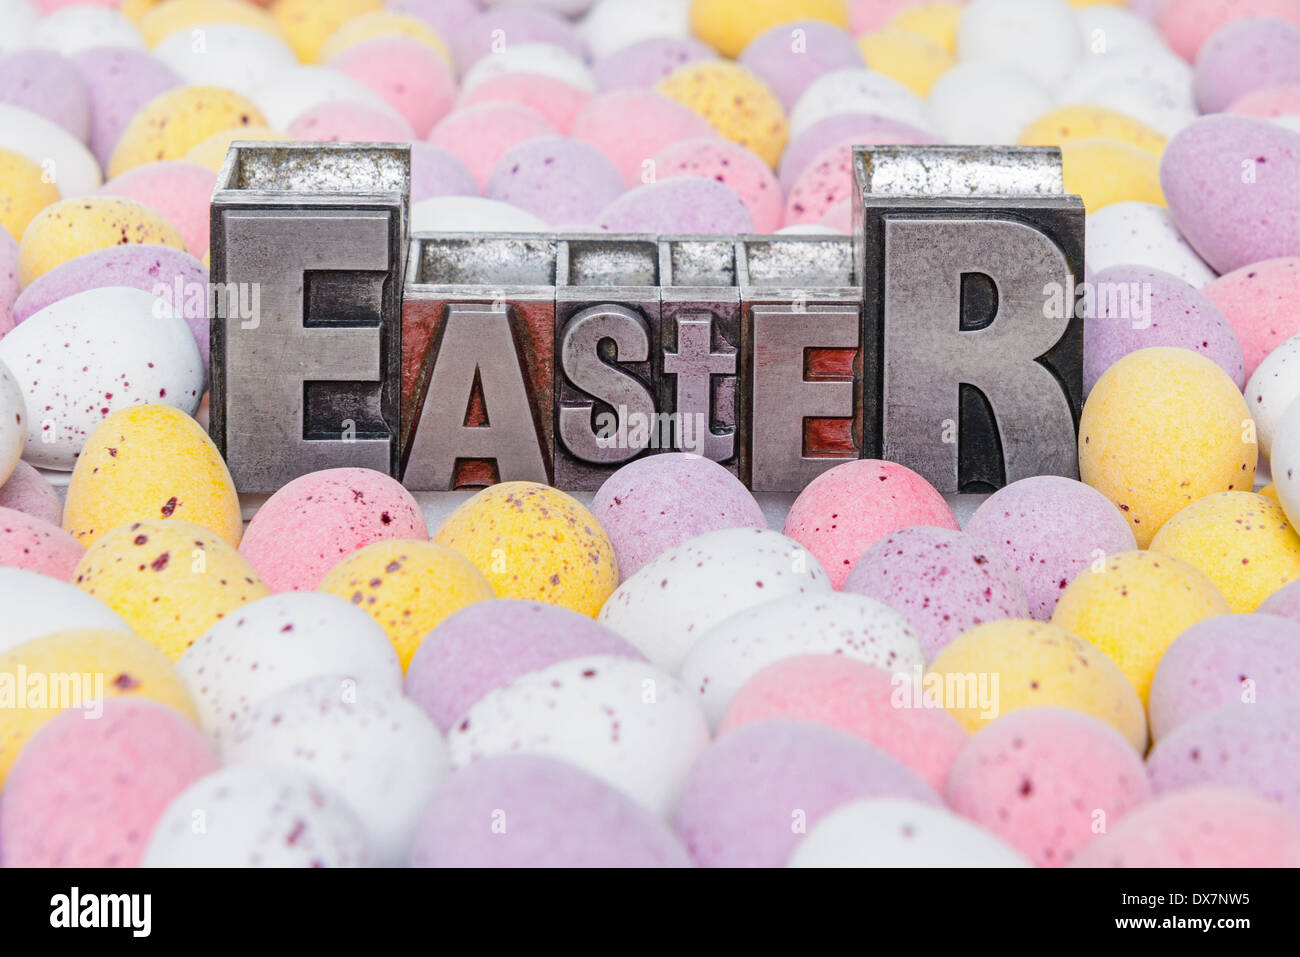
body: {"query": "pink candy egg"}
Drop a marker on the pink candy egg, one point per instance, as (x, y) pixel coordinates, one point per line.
(1262, 303)
(631, 126)
(682, 205)
(480, 135)
(48, 84)
(37, 545)
(840, 130)
(790, 56)
(825, 185)
(181, 192)
(28, 492)
(558, 102)
(1268, 101)
(409, 76)
(734, 166)
(344, 121)
(1285, 602)
(562, 180)
(1188, 24)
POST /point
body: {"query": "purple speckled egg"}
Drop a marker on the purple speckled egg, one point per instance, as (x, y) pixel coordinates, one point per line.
(1050, 529)
(437, 172)
(1136, 307)
(1245, 56)
(732, 165)
(489, 644)
(28, 492)
(1221, 661)
(481, 36)
(657, 502)
(838, 130)
(159, 270)
(682, 205)
(1285, 602)
(646, 62)
(788, 57)
(754, 791)
(943, 582)
(523, 810)
(120, 81)
(1254, 747)
(564, 181)
(631, 126)
(49, 84)
(1233, 188)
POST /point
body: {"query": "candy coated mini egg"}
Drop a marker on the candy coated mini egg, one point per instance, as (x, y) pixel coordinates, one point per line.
(73, 227)
(24, 192)
(211, 153)
(445, 16)
(28, 492)
(1162, 428)
(911, 59)
(682, 206)
(1047, 781)
(667, 606)
(1262, 302)
(41, 605)
(1039, 664)
(257, 816)
(560, 179)
(371, 746)
(735, 101)
(294, 90)
(729, 26)
(473, 214)
(556, 815)
(1244, 56)
(480, 135)
(1188, 24)
(145, 463)
(37, 545)
(174, 122)
(1227, 660)
(18, 19)
(857, 90)
(753, 794)
(840, 130)
(896, 832)
(237, 57)
(81, 26)
(120, 81)
(625, 721)
(1133, 608)
(162, 20)
(791, 55)
(1040, 37)
(556, 101)
(412, 79)
(1143, 234)
(60, 155)
(825, 185)
(631, 126)
(408, 587)
(342, 122)
(87, 793)
(732, 165)
(108, 664)
(308, 24)
(13, 422)
(1103, 171)
(170, 580)
(479, 38)
(616, 26)
(532, 541)
(936, 20)
(957, 103)
(1067, 123)
(543, 59)
(437, 172)
(1284, 602)
(49, 84)
(1286, 462)
(381, 24)
(646, 62)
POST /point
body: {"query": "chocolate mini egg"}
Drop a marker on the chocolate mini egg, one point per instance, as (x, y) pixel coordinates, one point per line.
(408, 587)
(667, 606)
(1142, 234)
(1162, 428)
(411, 78)
(40, 605)
(625, 721)
(150, 462)
(74, 227)
(480, 135)
(95, 352)
(1245, 56)
(732, 165)
(252, 815)
(1286, 462)
(24, 191)
(738, 104)
(532, 541)
(173, 123)
(180, 192)
(13, 422)
(170, 580)
(211, 153)
(63, 159)
(160, 20)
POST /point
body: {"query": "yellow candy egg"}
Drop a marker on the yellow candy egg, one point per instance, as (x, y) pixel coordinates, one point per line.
(1105, 171)
(1162, 428)
(1134, 606)
(382, 23)
(24, 192)
(1068, 123)
(174, 122)
(149, 462)
(1270, 491)
(171, 581)
(73, 669)
(730, 25)
(533, 541)
(161, 20)
(211, 153)
(1240, 540)
(73, 227)
(1039, 664)
(911, 59)
(937, 21)
(738, 104)
(408, 587)
(309, 23)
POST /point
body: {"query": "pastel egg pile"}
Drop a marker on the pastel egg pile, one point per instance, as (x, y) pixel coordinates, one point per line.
(1092, 673)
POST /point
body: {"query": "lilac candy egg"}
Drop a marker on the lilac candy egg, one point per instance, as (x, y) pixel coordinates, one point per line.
(480, 135)
(28, 492)
(49, 84)
(489, 644)
(445, 16)
(564, 181)
(683, 205)
(119, 81)
(732, 165)
(1285, 602)
(481, 36)
(1134, 307)
(1221, 661)
(1233, 188)
(842, 129)
(756, 790)
(943, 582)
(1256, 748)
(1050, 529)
(523, 810)
(437, 172)
(1244, 56)
(643, 64)
(791, 56)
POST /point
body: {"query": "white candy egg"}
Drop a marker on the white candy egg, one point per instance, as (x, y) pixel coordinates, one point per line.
(18, 20)
(81, 26)
(473, 214)
(540, 59)
(1163, 70)
(1285, 462)
(959, 101)
(857, 91)
(287, 93)
(569, 8)
(37, 605)
(612, 25)
(61, 155)
(1039, 37)
(13, 423)
(1272, 389)
(1142, 234)
(1108, 31)
(233, 56)
(1152, 106)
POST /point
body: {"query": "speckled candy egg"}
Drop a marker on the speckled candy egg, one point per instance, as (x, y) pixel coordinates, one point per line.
(277, 642)
(311, 524)
(896, 832)
(150, 462)
(9, 285)
(1206, 826)
(174, 122)
(180, 192)
(756, 791)
(383, 24)
(74, 227)
(839, 130)
(1162, 428)
(556, 101)
(625, 721)
(641, 65)
(1142, 234)
(532, 541)
(230, 55)
(87, 793)
(1040, 37)
(86, 356)
(478, 39)
(27, 491)
(845, 510)
(857, 91)
(957, 103)
(119, 81)
(911, 59)
(472, 214)
(24, 192)
(825, 185)
(83, 25)
(211, 153)
(118, 665)
(1188, 24)
(437, 172)
(1246, 56)
(729, 26)
(37, 545)
(1134, 606)
(686, 205)
(943, 582)
(543, 59)
(613, 26)
(1262, 301)
(524, 810)
(1233, 187)
(1230, 659)
(1050, 529)
(673, 601)
(345, 122)
(732, 165)
(13, 422)
(790, 56)
(49, 84)
(480, 135)
(737, 103)
(1047, 781)
(50, 147)
(1104, 171)
(825, 623)
(1284, 602)
(1069, 123)
(564, 181)
(257, 816)
(41, 605)
(1037, 664)
(371, 747)
(411, 78)
(1286, 463)
(292, 91)
(309, 23)
(631, 126)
